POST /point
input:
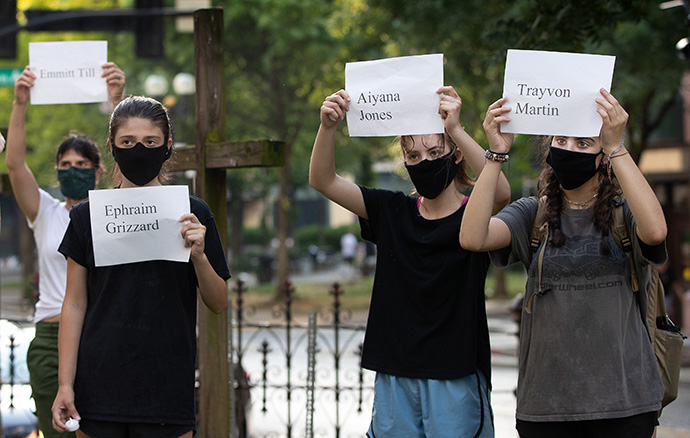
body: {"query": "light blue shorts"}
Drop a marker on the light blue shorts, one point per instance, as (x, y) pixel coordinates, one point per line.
(411, 408)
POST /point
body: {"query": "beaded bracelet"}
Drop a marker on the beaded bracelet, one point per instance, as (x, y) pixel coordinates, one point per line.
(493, 156)
(611, 156)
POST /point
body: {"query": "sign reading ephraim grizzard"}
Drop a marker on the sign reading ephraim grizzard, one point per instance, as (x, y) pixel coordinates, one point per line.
(138, 224)
(553, 93)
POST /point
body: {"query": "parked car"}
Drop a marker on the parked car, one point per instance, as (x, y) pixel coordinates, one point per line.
(17, 408)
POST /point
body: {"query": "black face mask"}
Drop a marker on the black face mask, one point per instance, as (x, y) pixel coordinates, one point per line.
(140, 164)
(430, 178)
(572, 169)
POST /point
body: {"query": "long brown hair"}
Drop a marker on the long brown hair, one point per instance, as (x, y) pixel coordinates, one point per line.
(607, 197)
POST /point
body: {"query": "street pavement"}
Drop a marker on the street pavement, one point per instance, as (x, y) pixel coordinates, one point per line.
(674, 422)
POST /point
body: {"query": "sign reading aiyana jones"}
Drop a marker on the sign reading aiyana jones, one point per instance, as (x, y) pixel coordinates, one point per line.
(553, 93)
(394, 96)
(138, 224)
(68, 72)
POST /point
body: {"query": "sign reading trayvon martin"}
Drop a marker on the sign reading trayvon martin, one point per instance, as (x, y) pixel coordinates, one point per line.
(138, 224)
(68, 72)
(553, 93)
(394, 96)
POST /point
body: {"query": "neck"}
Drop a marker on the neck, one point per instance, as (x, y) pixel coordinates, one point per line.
(443, 205)
(69, 203)
(579, 199)
(127, 184)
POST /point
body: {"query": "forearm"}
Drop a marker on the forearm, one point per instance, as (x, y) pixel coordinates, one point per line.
(71, 324)
(15, 156)
(212, 287)
(475, 156)
(322, 164)
(643, 203)
(474, 231)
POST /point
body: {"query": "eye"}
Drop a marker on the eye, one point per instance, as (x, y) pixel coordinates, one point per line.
(560, 141)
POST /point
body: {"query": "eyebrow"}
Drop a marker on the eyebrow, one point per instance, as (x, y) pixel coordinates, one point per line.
(147, 137)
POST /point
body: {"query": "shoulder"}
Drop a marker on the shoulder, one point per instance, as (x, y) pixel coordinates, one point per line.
(371, 194)
(522, 208)
(81, 209)
(200, 208)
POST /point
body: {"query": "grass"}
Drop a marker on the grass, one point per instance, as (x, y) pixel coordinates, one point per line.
(356, 293)
(313, 296)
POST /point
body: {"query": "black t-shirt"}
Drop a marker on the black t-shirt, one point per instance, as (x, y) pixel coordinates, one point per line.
(137, 351)
(427, 317)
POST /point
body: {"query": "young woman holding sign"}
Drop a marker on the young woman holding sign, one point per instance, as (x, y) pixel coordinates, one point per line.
(427, 335)
(586, 366)
(127, 338)
(78, 170)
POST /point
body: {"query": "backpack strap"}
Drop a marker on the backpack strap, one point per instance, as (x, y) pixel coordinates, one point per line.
(619, 230)
(539, 234)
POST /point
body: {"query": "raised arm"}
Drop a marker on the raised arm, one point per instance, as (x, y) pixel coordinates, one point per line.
(322, 175)
(643, 203)
(449, 109)
(115, 80)
(71, 324)
(479, 231)
(24, 183)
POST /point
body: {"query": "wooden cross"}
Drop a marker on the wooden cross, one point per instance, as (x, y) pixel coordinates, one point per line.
(210, 157)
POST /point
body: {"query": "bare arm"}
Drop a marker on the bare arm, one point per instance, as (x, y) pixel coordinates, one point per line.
(322, 175)
(449, 109)
(212, 287)
(71, 324)
(479, 231)
(643, 203)
(24, 183)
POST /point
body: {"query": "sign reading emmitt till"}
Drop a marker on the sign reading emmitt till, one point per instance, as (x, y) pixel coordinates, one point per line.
(138, 224)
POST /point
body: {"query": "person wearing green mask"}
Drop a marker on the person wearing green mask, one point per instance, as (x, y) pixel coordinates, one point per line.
(78, 170)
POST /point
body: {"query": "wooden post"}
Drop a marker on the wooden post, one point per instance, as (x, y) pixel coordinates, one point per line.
(210, 156)
(214, 403)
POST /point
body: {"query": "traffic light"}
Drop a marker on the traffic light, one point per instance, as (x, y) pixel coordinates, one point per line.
(149, 30)
(8, 18)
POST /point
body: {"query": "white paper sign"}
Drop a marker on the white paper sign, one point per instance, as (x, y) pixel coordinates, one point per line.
(553, 93)
(138, 224)
(394, 96)
(68, 72)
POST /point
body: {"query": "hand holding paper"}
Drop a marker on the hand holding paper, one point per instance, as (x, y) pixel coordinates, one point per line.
(22, 86)
(193, 234)
(614, 119)
(499, 142)
(334, 107)
(450, 107)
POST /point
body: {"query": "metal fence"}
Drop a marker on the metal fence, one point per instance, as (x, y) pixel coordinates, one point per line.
(303, 378)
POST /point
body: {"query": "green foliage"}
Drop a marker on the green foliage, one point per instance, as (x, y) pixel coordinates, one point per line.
(284, 56)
